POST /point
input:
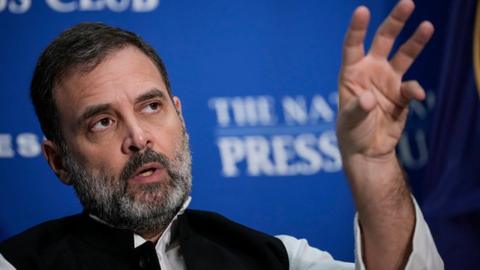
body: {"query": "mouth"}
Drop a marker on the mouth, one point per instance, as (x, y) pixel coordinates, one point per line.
(148, 173)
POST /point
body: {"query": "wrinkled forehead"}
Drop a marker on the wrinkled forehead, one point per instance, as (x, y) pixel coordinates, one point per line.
(91, 66)
(123, 74)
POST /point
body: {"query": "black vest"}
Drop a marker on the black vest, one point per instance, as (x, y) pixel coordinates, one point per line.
(207, 241)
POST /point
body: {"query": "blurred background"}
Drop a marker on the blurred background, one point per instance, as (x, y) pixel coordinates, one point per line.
(257, 80)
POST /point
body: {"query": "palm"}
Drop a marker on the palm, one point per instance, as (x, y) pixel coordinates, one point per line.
(373, 100)
(379, 132)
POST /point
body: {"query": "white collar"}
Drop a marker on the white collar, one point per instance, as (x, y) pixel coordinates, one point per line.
(166, 236)
(164, 239)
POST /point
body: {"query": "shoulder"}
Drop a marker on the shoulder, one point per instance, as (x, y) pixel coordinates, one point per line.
(44, 233)
(43, 237)
(210, 235)
(210, 223)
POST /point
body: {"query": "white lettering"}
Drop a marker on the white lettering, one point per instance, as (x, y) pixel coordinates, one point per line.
(20, 6)
(118, 5)
(246, 111)
(329, 146)
(321, 110)
(239, 113)
(91, 5)
(231, 152)
(265, 110)
(295, 110)
(28, 145)
(258, 152)
(333, 98)
(304, 146)
(3, 5)
(283, 153)
(282, 150)
(60, 6)
(280, 155)
(220, 105)
(98, 5)
(6, 149)
(15, 6)
(144, 5)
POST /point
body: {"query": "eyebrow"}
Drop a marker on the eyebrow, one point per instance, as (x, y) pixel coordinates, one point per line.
(100, 108)
(94, 110)
(151, 94)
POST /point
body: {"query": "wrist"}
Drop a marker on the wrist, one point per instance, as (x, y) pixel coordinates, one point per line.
(375, 180)
(366, 168)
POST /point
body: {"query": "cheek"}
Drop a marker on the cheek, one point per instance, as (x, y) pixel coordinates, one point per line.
(108, 138)
(172, 139)
(101, 160)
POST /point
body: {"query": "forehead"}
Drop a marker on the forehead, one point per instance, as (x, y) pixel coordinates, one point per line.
(124, 73)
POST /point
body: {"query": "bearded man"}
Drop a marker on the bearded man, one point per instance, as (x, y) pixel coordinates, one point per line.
(115, 132)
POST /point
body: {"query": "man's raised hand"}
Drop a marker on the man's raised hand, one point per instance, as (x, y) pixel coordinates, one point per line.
(373, 99)
(372, 113)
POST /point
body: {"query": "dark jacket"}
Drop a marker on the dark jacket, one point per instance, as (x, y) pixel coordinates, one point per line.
(207, 241)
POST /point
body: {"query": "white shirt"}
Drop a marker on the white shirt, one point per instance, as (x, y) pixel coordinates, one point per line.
(301, 256)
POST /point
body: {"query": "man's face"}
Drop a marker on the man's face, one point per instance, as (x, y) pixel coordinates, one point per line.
(127, 151)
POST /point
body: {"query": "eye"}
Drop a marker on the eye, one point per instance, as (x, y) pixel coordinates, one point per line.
(102, 124)
(152, 107)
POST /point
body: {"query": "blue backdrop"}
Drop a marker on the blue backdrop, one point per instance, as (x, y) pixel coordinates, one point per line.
(257, 81)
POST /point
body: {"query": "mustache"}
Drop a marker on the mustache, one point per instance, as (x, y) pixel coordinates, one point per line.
(141, 158)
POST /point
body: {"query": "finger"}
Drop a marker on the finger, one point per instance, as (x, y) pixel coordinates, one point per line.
(390, 28)
(358, 109)
(407, 53)
(367, 101)
(353, 48)
(411, 90)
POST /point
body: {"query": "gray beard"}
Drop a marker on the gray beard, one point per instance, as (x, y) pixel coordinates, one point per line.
(144, 208)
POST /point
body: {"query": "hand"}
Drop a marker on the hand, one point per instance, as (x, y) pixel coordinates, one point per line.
(373, 100)
(372, 113)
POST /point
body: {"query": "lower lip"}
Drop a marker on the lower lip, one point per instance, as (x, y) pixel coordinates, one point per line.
(156, 176)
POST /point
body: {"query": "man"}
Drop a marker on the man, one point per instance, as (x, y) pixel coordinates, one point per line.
(116, 133)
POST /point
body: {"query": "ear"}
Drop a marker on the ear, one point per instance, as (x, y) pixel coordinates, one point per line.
(54, 157)
(178, 105)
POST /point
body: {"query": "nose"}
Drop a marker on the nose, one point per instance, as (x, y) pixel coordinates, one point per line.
(136, 139)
